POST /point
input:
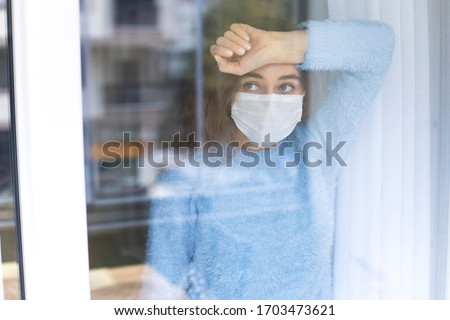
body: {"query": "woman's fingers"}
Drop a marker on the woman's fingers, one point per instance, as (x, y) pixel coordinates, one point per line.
(241, 30)
(235, 54)
(229, 44)
(230, 35)
(232, 43)
(220, 51)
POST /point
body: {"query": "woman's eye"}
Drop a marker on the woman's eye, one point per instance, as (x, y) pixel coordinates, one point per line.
(250, 86)
(286, 88)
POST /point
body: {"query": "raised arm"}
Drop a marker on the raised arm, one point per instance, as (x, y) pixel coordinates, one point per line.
(244, 48)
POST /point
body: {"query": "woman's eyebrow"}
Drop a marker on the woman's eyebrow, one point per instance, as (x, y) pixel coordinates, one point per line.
(252, 75)
(285, 77)
(290, 77)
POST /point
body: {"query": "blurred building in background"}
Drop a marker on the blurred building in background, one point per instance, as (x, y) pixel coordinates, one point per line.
(135, 57)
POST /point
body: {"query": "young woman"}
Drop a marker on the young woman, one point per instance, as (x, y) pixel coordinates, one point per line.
(260, 225)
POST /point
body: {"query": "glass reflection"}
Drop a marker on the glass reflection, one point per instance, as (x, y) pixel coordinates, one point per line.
(139, 86)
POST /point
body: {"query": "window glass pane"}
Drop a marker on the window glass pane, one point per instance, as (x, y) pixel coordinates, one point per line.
(140, 83)
(9, 271)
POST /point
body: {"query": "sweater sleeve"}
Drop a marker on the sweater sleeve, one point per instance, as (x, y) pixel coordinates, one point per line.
(361, 52)
(171, 231)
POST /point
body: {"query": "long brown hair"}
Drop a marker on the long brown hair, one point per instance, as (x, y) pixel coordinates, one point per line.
(218, 99)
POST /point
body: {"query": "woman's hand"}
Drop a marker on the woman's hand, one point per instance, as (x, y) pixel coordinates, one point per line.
(244, 48)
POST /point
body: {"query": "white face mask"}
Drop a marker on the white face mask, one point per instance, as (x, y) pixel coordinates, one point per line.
(258, 115)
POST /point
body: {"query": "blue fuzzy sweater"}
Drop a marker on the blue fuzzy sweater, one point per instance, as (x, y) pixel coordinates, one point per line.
(264, 229)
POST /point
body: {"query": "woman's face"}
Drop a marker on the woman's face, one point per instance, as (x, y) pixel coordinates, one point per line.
(272, 78)
(282, 79)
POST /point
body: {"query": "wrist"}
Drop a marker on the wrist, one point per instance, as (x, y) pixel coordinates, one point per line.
(289, 47)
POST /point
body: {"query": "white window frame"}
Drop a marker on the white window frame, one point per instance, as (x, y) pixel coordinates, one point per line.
(48, 108)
